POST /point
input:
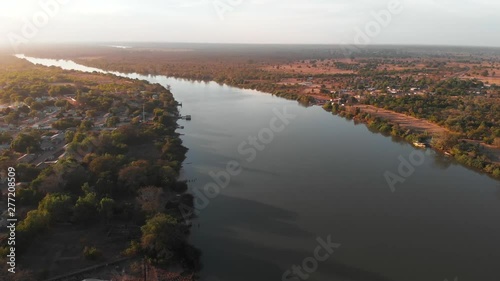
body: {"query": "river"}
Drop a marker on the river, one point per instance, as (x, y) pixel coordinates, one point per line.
(313, 177)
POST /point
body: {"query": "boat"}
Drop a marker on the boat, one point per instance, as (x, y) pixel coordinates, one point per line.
(419, 144)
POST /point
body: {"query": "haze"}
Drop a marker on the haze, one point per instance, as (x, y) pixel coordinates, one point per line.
(427, 22)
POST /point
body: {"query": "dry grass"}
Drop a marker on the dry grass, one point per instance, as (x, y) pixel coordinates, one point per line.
(404, 121)
(61, 251)
(306, 67)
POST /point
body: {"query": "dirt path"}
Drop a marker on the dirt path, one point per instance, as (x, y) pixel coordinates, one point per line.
(421, 125)
(404, 121)
(491, 151)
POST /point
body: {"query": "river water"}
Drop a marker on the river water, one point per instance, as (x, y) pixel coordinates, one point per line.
(313, 177)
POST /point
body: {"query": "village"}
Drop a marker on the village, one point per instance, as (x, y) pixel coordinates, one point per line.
(339, 81)
(52, 124)
(44, 134)
(95, 157)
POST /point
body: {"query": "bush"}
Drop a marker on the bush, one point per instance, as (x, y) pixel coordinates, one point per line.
(57, 206)
(496, 173)
(26, 143)
(29, 196)
(35, 222)
(161, 236)
(133, 250)
(385, 128)
(4, 251)
(91, 253)
(85, 208)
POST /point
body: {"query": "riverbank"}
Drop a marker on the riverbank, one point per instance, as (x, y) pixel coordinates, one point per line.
(270, 215)
(307, 84)
(114, 193)
(420, 133)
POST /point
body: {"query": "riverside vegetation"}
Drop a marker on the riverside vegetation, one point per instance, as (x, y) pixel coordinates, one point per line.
(457, 89)
(112, 190)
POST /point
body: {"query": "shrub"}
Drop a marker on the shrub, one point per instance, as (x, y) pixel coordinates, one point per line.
(496, 173)
(133, 250)
(91, 253)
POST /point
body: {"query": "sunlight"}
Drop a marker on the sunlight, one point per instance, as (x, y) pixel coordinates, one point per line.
(16, 9)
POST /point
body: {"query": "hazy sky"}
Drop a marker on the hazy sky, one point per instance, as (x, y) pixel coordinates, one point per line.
(443, 22)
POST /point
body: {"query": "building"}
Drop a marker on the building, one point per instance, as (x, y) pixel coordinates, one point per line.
(57, 138)
(26, 158)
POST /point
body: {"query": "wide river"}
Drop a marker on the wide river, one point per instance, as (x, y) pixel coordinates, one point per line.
(312, 177)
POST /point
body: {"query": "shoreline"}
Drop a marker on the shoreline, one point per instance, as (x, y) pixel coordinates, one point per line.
(313, 99)
(387, 128)
(154, 147)
(321, 99)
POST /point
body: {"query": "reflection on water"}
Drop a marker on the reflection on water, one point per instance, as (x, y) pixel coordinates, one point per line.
(324, 176)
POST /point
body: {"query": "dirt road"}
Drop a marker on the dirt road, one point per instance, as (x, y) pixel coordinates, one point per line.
(404, 121)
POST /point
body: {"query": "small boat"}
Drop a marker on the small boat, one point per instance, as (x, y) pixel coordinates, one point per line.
(419, 144)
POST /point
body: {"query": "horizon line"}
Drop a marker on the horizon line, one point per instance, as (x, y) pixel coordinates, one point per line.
(107, 44)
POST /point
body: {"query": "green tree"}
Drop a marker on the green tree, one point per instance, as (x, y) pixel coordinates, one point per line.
(25, 143)
(446, 141)
(66, 123)
(92, 253)
(57, 206)
(68, 136)
(36, 221)
(162, 235)
(133, 177)
(85, 208)
(105, 163)
(5, 137)
(11, 118)
(61, 103)
(91, 113)
(29, 196)
(105, 184)
(112, 121)
(78, 137)
(106, 208)
(86, 125)
(26, 172)
(37, 106)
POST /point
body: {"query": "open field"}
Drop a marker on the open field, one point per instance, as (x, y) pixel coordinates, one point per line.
(312, 67)
(404, 121)
(61, 251)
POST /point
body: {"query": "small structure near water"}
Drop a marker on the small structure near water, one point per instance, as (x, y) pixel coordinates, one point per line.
(419, 144)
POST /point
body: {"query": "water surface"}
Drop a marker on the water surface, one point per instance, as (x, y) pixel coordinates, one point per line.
(324, 176)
